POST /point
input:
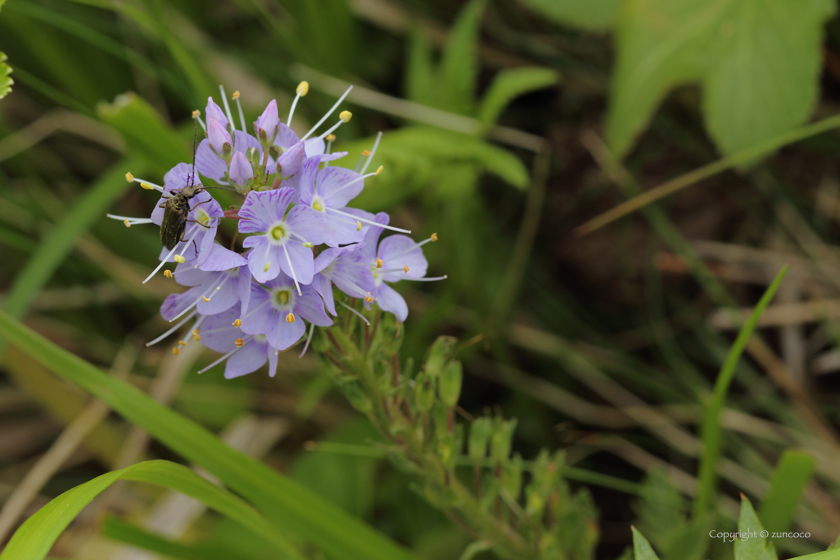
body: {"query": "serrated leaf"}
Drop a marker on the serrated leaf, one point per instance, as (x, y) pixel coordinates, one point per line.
(641, 547)
(759, 76)
(6, 80)
(754, 546)
(509, 84)
(588, 14)
(459, 65)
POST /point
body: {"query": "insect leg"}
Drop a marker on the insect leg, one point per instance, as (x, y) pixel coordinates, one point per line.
(199, 204)
(199, 223)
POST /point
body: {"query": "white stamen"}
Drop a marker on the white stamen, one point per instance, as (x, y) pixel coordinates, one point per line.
(146, 184)
(162, 262)
(368, 221)
(362, 317)
(172, 330)
(308, 339)
(372, 151)
(434, 279)
(228, 355)
(201, 122)
(227, 108)
(353, 182)
(132, 221)
(410, 249)
(260, 306)
(330, 112)
(332, 129)
(241, 114)
(292, 109)
(213, 288)
(292, 269)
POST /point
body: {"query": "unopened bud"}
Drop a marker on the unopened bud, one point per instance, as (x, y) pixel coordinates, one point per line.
(449, 383)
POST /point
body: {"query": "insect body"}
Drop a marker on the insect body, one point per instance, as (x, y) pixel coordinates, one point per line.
(176, 209)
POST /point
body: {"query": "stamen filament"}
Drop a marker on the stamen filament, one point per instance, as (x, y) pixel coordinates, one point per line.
(172, 330)
(353, 182)
(292, 269)
(226, 356)
(201, 122)
(410, 249)
(330, 112)
(257, 308)
(227, 107)
(372, 151)
(332, 129)
(308, 339)
(132, 221)
(241, 114)
(147, 185)
(362, 317)
(356, 218)
(215, 287)
(433, 279)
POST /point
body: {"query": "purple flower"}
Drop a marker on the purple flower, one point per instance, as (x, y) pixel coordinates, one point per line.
(210, 292)
(348, 268)
(202, 221)
(280, 245)
(215, 113)
(241, 172)
(220, 140)
(267, 124)
(278, 311)
(244, 354)
(328, 191)
(211, 165)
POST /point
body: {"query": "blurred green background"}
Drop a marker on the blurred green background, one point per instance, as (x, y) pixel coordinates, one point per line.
(604, 341)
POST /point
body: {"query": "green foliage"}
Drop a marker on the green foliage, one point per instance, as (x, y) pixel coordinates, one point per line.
(641, 547)
(725, 46)
(6, 80)
(792, 474)
(126, 533)
(282, 501)
(509, 84)
(459, 65)
(34, 539)
(590, 14)
(754, 546)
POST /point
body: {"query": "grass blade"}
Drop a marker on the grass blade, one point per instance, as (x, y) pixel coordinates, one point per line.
(786, 488)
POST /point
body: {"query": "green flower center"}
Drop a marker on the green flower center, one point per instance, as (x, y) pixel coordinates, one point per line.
(317, 206)
(278, 232)
(282, 297)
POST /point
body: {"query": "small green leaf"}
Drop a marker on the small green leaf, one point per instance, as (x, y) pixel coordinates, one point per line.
(752, 545)
(6, 80)
(459, 65)
(420, 71)
(509, 84)
(787, 485)
(641, 547)
(725, 46)
(33, 540)
(589, 14)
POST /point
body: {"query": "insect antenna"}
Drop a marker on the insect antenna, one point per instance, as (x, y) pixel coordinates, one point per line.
(195, 139)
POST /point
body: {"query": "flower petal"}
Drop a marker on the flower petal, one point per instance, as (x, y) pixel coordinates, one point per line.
(310, 306)
(302, 261)
(312, 226)
(247, 360)
(396, 252)
(261, 210)
(389, 300)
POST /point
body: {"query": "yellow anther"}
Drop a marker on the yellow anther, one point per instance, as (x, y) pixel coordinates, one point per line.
(369, 298)
(378, 263)
(358, 225)
(366, 153)
(147, 186)
(167, 273)
(405, 269)
(302, 89)
(330, 137)
(266, 267)
(235, 95)
(237, 323)
(196, 335)
(239, 343)
(127, 223)
(129, 177)
(345, 116)
(196, 114)
(205, 298)
(378, 171)
(434, 237)
(182, 343)
(179, 259)
(290, 318)
(176, 350)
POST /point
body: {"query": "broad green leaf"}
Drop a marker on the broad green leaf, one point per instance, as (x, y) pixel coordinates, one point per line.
(281, 500)
(509, 84)
(786, 488)
(710, 430)
(754, 546)
(6, 80)
(588, 14)
(459, 66)
(641, 547)
(33, 540)
(759, 76)
(129, 534)
(145, 131)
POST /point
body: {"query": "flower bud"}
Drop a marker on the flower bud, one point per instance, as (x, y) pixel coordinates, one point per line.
(512, 476)
(241, 172)
(479, 435)
(220, 141)
(449, 383)
(500, 441)
(215, 113)
(440, 353)
(424, 393)
(253, 156)
(267, 124)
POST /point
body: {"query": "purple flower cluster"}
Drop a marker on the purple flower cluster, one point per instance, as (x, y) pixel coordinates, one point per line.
(252, 305)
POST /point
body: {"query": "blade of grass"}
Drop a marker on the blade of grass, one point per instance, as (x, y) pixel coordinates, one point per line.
(279, 498)
(786, 488)
(129, 534)
(34, 539)
(711, 431)
(706, 171)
